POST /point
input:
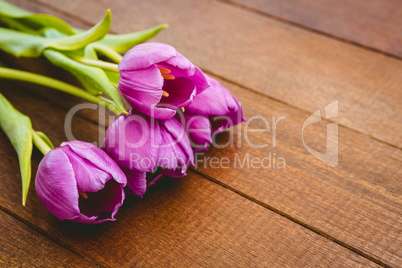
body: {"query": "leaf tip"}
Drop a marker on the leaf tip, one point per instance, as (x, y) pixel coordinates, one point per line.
(25, 188)
(108, 17)
(24, 200)
(108, 13)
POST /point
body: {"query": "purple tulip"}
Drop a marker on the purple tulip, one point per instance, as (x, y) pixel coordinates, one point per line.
(155, 79)
(198, 129)
(80, 182)
(211, 112)
(141, 144)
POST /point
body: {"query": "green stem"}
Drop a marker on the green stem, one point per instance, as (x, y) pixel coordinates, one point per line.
(12, 74)
(108, 52)
(40, 144)
(97, 63)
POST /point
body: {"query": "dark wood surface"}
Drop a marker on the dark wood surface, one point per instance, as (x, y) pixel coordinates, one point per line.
(308, 214)
(372, 24)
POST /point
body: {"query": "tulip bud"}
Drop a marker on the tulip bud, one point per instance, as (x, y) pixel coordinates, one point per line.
(80, 182)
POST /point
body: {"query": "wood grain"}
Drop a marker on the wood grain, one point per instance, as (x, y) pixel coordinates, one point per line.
(357, 202)
(22, 246)
(180, 222)
(289, 64)
(374, 24)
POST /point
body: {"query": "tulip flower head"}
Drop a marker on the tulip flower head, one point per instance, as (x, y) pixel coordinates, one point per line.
(156, 80)
(80, 182)
(141, 144)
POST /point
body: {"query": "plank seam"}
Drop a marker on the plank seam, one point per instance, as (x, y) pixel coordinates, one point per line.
(306, 28)
(289, 217)
(51, 237)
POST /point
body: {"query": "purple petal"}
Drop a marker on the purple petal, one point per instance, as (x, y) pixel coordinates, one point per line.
(89, 177)
(99, 159)
(156, 179)
(215, 100)
(142, 88)
(234, 117)
(198, 129)
(220, 123)
(82, 218)
(144, 55)
(218, 103)
(183, 63)
(162, 113)
(132, 141)
(200, 80)
(137, 181)
(56, 186)
(175, 148)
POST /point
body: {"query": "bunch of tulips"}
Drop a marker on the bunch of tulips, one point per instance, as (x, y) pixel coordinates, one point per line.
(171, 111)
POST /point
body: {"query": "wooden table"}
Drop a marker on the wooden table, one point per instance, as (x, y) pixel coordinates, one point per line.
(285, 59)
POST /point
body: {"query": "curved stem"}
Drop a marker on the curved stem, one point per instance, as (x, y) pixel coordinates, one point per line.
(40, 144)
(110, 102)
(97, 63)
(12, 74)
(108, 52)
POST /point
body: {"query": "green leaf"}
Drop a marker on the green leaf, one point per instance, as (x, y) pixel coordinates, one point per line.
(93, 79)
(28, 45)
(113, 77)
(8, 9)
(90, 52)
(18, 129)
(45, 139)
(23, 20)
(121, 43)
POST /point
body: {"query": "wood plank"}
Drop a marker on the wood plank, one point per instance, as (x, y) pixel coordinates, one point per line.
(292, 65)
(357, 202)
(180, 222)
(23, 246)
(374, 24)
